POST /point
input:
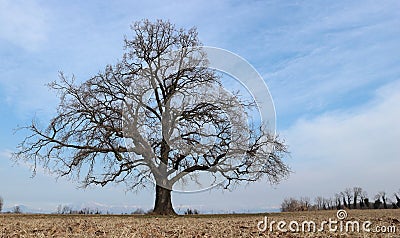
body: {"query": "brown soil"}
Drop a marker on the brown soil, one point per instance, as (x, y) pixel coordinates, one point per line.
(190, 226)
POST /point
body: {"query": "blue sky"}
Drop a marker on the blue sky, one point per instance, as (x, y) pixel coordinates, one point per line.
(332, 68)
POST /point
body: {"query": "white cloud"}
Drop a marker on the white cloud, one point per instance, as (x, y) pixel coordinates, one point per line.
(23, 23)
(349, 148)
(329, 53)
(6, 154)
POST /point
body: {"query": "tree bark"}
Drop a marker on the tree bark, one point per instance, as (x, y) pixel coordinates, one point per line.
(163, 203)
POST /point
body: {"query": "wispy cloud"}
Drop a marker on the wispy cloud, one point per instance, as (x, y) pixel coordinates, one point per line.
(349, 148)
(320, 61)
(5, 154)
(23, 23)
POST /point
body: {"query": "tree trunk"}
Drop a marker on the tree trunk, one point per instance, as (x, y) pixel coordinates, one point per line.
(163, 203)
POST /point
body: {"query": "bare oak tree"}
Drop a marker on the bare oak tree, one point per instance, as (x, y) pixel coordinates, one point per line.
(395, 195)
(16, 209)
(338, 202)
(1, 203)
(305, 203)
(348, 193)
(290, 205)
(319, 202)
(382, 194)
(357, 193)
(364, 200)
(149, 117)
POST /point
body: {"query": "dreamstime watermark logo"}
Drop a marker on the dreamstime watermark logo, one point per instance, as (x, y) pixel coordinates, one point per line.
(176, 129)
(339, 224)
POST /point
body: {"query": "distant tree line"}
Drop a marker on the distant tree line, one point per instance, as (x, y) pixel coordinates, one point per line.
(66, 209)
(190, 211)
(350, 198)
(16, 209)
(69, 210)
(87, 211)
(140, 211)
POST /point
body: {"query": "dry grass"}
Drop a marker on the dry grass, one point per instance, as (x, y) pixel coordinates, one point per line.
(181, 226)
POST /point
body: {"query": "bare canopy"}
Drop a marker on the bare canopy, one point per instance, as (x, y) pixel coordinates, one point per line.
(158, 114)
